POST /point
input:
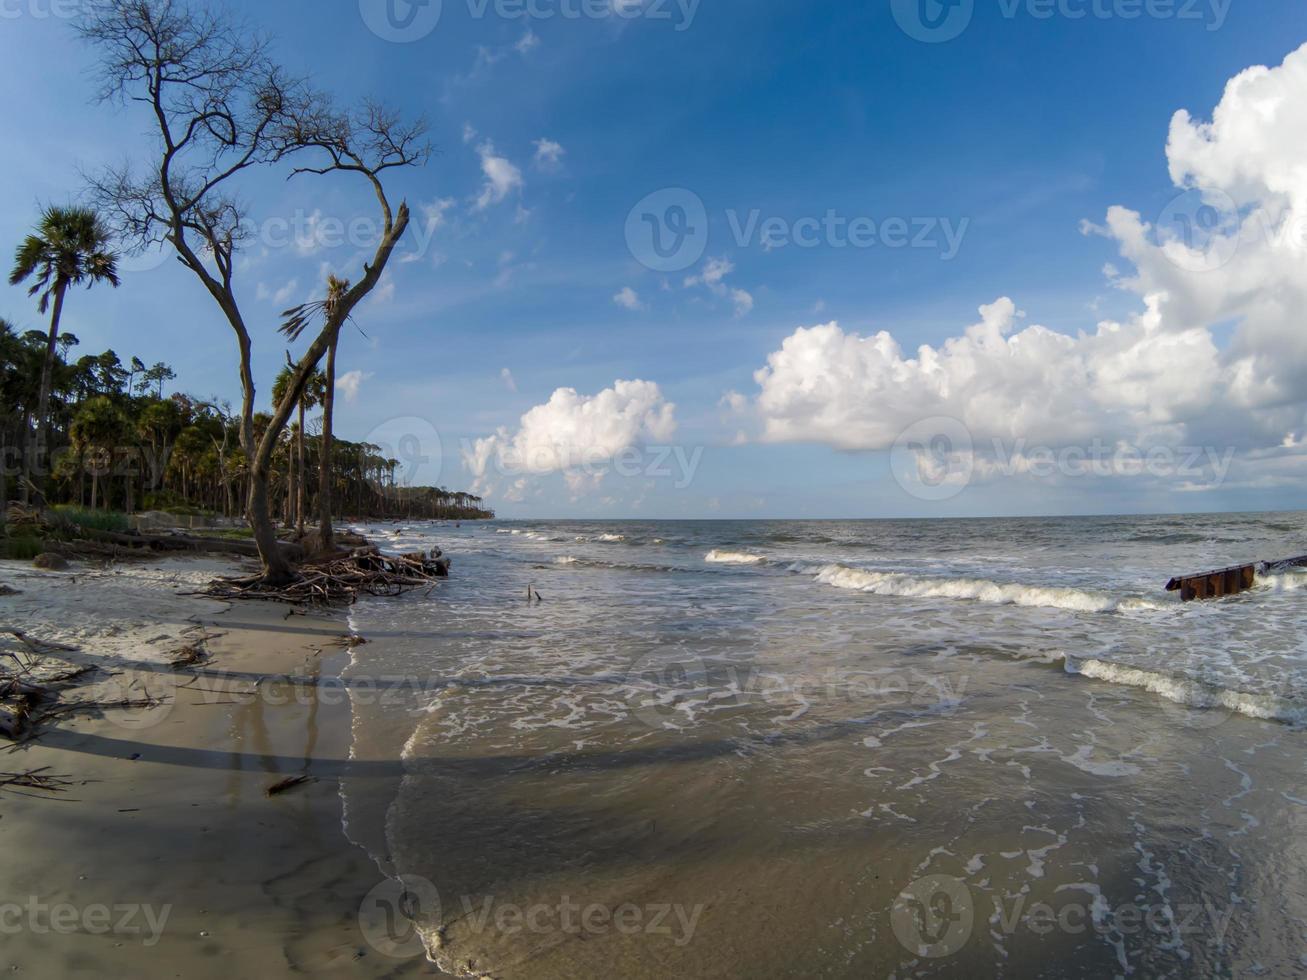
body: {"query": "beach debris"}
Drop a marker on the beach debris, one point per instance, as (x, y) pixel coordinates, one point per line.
(28, 518)
(50, 562)
(339, 580)
(36, 779)
(1228, 581)
(186, 656)
(287, 784)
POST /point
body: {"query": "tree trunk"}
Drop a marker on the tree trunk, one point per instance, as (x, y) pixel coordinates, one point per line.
(277, 569)
(41, 431)
(301, 491)
(288, 498)
(324, 470)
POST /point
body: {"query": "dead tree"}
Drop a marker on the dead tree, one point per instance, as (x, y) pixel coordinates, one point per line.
(222, 107)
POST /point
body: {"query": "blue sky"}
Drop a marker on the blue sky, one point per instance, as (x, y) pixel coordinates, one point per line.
(1018, 130)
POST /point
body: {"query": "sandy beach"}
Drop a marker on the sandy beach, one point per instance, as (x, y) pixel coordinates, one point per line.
(165, 856)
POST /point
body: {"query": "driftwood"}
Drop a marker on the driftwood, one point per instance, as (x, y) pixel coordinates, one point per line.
(341, 579)
(18, 701)
(182, 542)
(287, 784)
(35, 779)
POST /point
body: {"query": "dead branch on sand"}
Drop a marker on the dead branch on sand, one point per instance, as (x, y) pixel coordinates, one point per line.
(339, 580)
(36, 779)
(287, 784)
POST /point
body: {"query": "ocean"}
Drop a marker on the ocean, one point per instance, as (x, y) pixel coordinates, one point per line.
(840, 749)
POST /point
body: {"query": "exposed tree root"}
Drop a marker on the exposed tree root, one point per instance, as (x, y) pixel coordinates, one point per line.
(339, 580)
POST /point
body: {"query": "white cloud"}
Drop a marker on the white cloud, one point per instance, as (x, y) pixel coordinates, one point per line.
(628, 298)
(510, 382)
(713, 276)
(1159, 377)
(743, 301)
(278, 296)
(434, 212)
(384, 291)
(549, 155)
(502, 177)
(574, 434)
(350, 383)
(469, 133)
(528, 42)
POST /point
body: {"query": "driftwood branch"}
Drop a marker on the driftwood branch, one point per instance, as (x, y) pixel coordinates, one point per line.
(341, 579)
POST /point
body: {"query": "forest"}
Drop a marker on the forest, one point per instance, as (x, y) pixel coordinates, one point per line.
(94, 432)
(121, 441)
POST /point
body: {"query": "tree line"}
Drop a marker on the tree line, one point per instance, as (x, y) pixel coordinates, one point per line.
(221, 108)
(121, 442)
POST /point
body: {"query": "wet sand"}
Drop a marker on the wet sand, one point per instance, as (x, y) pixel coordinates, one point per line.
(166, 857)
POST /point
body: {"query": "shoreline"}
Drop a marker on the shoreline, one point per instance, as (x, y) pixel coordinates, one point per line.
(166, 856)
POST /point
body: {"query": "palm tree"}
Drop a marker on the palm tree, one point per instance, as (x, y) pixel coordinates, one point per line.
(96, 431)
(311, 397)
(70, 246)
(297, 319)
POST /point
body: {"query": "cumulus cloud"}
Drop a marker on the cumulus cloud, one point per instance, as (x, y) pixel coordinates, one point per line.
(860, 392)
(1228, 251)
(349, 384)
(501, 176)
(510, 382)
(628, 298)
(575, 435)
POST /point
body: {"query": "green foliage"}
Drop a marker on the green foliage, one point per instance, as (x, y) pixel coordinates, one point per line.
(23, 548)
(98, 520)
(70, 246)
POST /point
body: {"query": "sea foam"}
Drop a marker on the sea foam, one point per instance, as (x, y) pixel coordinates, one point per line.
(978, 590)
(719, 557)
(1192, 693)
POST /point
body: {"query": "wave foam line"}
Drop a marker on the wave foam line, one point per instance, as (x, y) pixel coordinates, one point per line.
(978, 590)
(1190, 692)
(719, 557)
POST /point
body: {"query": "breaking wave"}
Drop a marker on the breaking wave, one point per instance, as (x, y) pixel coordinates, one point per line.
(719, 557)
(978, 590)
(1191, 692)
